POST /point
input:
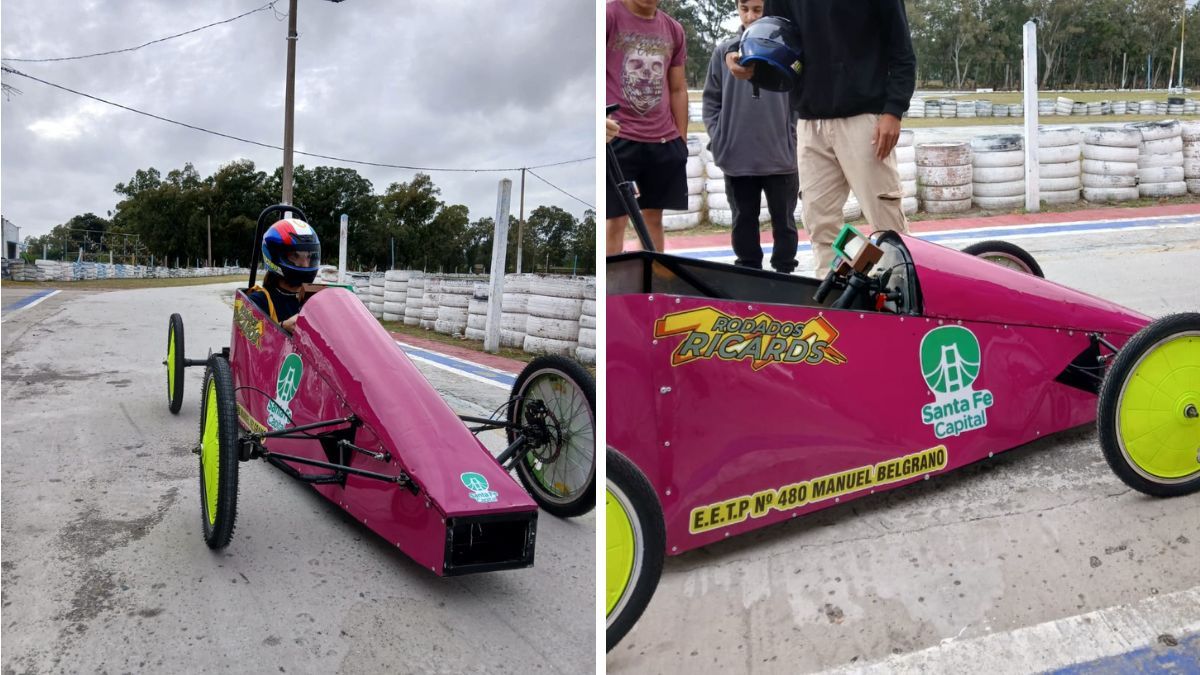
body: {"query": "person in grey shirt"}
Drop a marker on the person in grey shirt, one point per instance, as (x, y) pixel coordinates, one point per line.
(753, 141)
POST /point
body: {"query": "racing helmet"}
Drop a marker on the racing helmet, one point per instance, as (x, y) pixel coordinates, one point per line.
(773, 44)
(291, 249)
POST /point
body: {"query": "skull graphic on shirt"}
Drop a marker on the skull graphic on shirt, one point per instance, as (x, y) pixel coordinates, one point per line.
(642, 79)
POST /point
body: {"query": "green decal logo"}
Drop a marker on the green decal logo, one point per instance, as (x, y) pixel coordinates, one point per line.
(478, 485)
(279, 411)
(949, 359)
(950, 363)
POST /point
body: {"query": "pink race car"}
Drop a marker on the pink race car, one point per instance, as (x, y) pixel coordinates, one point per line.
(336, 404)
(743, 398)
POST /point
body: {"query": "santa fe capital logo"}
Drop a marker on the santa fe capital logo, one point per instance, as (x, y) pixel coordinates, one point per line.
(950, 363)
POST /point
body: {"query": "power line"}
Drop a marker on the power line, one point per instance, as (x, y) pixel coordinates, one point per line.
(260, 144)
(269, 5)
(590, 206)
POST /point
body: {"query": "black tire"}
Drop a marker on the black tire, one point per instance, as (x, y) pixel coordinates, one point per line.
(629, 490)
(569, 393)
(174, 363)
(1006, 254)
(218, 402)
(1112, 393)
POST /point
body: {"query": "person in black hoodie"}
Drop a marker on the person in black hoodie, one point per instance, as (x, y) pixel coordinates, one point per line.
(857, 79)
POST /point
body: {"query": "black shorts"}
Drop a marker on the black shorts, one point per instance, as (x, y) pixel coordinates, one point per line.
(658, 171)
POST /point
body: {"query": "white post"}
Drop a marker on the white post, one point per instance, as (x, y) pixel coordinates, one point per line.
(1030, 88)
(343, 236)
(491, 335)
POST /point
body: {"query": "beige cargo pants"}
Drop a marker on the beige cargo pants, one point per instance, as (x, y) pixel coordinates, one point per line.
(835, 157)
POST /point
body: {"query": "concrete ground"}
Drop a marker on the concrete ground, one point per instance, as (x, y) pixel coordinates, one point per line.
(105, 569)
(1037, 559)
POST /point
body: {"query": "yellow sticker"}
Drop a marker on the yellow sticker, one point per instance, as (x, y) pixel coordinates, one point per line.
(795, 495)
(250, 327)
(761, 339)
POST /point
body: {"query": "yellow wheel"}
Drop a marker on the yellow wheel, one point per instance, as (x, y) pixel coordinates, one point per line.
(635, 543)
(1149, 410)
(174, 363)
(218, 454)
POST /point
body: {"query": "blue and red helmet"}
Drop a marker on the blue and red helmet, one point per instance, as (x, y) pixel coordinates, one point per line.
(291, 249)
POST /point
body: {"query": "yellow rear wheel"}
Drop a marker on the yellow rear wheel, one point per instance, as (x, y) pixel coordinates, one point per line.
(174, 363)
(218, 454)
(635, 542)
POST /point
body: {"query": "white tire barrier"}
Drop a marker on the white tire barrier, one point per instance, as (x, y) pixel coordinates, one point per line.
(1059, 154)
(540, 345)
(1057, 137)
(1166, 189)
(944, 176)
(1160, 174)
(1097, 167)
(999, 174)
(1108, 153)
(1092, 180)
(1103, 195)
(1059, 170)
(720, 217)
(1062, 197)
(1058, 184)
(1000, 203)
(1014, 188)
(958, 206)
(673, 222)
(585, 354)
(695, 167)
(988, 160)
(1154, 131)
(1116, 137)
(943, 154)
(711, 170)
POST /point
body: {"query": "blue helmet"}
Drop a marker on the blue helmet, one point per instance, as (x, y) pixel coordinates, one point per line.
(773, 44)
(291, 249)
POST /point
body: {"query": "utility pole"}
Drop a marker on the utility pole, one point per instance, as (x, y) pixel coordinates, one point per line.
(520, 222)
(289, 103)
(210, 240)
(1182, 32)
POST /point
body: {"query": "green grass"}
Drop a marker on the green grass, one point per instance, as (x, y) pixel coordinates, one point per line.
(124, 284)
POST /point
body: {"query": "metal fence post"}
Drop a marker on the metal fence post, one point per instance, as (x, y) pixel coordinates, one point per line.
(1030, 88)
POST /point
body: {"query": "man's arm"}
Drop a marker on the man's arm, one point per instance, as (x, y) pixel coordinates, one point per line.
(712, 90)
(902, 63)
(677, 84)
(902, 75)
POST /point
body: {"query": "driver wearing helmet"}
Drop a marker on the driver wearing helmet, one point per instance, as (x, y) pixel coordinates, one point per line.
(291, 254)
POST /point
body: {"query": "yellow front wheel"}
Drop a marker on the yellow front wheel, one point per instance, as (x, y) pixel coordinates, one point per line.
(218, 454)
(635, 544)
(1149, 410)
(174, 363)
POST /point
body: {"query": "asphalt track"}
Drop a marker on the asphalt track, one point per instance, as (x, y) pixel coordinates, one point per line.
(1039, 559)
(104, 567)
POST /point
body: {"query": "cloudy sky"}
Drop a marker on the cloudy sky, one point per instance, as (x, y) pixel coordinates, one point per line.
(448, 83)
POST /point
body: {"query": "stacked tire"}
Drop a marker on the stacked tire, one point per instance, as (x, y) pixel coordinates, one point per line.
(1045, 107)
(984, 108)
(998, 172)
(715, 201)
(477, 310)
(431, 301)
(586, 351)
(1059, 166)
(944, 176)
(1160, 159)
(906, 166)
(916, 108)
(1190, 132)
(377, 290)
(1063, 106)
(452, 306)
(965, 109)
(674, 220)
(414, 299)
(514, 310)
(555, 305)
(395, 293)
(1110, 164)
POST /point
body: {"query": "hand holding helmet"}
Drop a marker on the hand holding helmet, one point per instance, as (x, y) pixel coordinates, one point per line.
(771, 49)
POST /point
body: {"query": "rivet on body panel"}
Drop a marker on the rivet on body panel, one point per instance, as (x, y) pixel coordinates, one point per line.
(666, 444)
(664, 390)
(668, 492)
